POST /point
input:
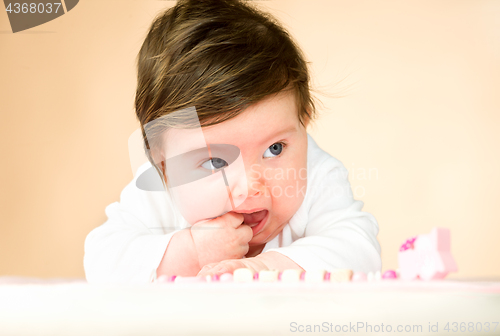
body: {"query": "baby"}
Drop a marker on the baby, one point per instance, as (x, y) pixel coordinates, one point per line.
(248, 83)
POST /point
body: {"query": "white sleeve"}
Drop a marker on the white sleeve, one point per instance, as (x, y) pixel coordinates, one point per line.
(337, 233)
(130, 245)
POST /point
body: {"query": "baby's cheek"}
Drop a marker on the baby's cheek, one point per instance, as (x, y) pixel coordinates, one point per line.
(290, 196)
(285, 204)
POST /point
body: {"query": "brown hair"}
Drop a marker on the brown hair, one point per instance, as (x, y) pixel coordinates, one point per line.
(219, 56)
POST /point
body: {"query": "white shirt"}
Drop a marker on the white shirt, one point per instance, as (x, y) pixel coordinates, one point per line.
(328, 231)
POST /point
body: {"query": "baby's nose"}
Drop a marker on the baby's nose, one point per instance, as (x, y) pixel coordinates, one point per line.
(249, 185)
(255, 181)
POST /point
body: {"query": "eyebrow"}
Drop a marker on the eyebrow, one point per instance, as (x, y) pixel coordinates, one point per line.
(285, 131)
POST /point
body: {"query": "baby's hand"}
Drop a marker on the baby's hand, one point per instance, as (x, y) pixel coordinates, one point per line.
(228, 266)
(221, 238)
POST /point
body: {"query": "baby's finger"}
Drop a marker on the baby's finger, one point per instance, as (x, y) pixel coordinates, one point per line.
(203, 273)
(206, 268)
(234, 219)
(210, 273)
(219, 269)
(228, 267)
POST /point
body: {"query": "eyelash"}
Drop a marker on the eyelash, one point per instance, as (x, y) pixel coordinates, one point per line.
(284, 144)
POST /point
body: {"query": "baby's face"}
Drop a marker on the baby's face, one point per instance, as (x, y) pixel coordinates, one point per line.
(273, 147)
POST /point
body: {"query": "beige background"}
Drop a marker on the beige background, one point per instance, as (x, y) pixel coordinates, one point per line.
(417, 127)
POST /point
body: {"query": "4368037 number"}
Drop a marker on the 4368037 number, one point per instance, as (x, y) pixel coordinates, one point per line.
(471, 327)
(33, 7)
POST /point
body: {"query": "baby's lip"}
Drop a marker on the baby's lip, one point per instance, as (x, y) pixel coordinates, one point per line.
(238, 211)
(254, 220)
(249, 211)
(250, 216)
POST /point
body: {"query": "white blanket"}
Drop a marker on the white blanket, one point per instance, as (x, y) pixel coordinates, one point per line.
(31, 306)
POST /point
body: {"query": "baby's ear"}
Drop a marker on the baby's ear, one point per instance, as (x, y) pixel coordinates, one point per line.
(157, 157)
(306, 119)
(159, 160)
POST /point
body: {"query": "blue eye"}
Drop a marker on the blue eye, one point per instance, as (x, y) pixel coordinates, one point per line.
(275, 149)
(214, 164)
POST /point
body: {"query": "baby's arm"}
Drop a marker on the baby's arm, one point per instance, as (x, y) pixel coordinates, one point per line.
(207, 242)
(264, 261)
(124, 249)
(143, 238)
(181, 257)
(129, 246)
(276, 260)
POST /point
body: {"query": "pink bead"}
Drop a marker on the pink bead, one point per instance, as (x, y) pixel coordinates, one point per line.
(226, 277)
(171, 278)
(390, 274)
(279, 276)
(302, 275)
(212, 278)
(359, 276)
(256, 276)
(327, 276)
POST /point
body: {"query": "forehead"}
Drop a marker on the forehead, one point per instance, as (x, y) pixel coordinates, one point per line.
(180, 141)
(253, 126)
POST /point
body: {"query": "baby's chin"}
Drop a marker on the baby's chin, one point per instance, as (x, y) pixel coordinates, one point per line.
(265, 235)
(259, 239)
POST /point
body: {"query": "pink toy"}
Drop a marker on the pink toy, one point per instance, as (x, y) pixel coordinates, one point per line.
(390, 274)
(212, 278)
(427, 256)
(359, 276)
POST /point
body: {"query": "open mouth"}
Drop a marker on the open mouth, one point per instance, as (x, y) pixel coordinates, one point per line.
(256, 220)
